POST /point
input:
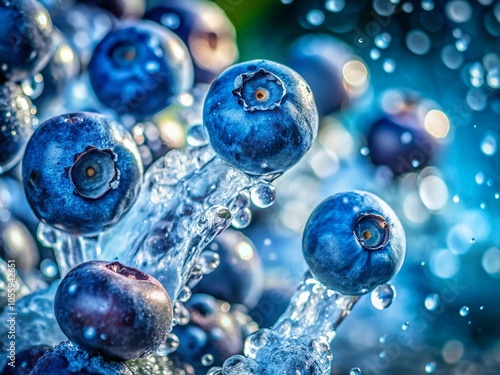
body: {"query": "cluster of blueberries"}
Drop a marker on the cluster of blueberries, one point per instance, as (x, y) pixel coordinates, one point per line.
(82, 170)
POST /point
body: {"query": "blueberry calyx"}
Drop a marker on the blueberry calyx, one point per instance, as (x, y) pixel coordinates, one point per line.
(259, 91)
(94, 173)
(128, 272)
(371, 231)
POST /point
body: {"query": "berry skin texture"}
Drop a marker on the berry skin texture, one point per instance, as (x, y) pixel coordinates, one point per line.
(205, 29)
(260, 117)
(81, 172)
(17, 124)
(67, 359)
(114, 310)
(139, 68)
(26, 45)
(354, 242)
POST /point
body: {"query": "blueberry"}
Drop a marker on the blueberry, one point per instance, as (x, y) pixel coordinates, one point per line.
(320, 59)
(117, 311)
(211, 330)
(139, 68)
(260, 117)
(206, 31)
(26, 360)
(401, 143)
(238, 279)
(354, 242)
(25, 46)
(67, 359)
(16, 112)
(81, 172)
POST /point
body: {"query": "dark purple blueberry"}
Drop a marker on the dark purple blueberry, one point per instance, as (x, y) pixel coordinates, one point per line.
(114, 310)
(25, 46)
(401, 143)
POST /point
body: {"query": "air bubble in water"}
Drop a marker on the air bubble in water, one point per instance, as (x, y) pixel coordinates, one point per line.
(334, 5)
(48, 268)
(382, 339)
(383, 40)
(389, 65)
(458, 11)
(242, 218)
(263, 195)
(365, 151)
(207, 359)
(427, 5)
(184, 294)
(315, 17)
(418, 42)
(472, 240)
(489, 144)
(451, 57)
(382, 296)
(464, 311)
(430, 367)
(168, 346)
(355, 371)
(432, 302)
(405, 326)
(209, 261)
(384, 7)
(375, 54)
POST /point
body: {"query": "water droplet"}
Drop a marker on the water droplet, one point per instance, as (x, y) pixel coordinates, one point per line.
(185, 294)
(464, 311)
(315, 17)
(168, 346)
(406, 138)
(383, 40)
(432, 302)
(422, 263)
(430, 367)
(382, 354)
(382, 339)
(472, 240)
(72, 289)
(382, 296)
(405, 326)
(48, 267)
(375, 54)
(355, 371)
(334, 5)
(389, 65)
(207, 359)
(170, 20)
(418, 42)
(103, 336)
(360, 40)
(365, 151)
(481, 308)
(427, 5)
(456, 199)
(482, 206)
(89, 333)
(489, 144)
(196, 136)
(263, 195)
(415, 163)
(209, 261)
(497, 195)
(242, 218)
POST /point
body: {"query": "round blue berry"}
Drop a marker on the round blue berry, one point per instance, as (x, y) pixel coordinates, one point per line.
(114, 310)
(16, 112)
(81, 172)
(205, 29)
(320, 59)
(354, 242)
(25, 46)
(260, 116)
(238, 278)
(401, 143)
(139, 68)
